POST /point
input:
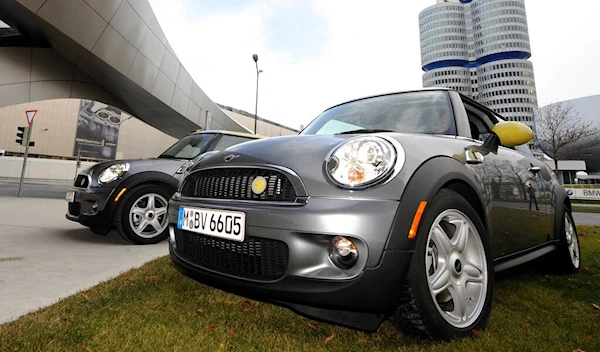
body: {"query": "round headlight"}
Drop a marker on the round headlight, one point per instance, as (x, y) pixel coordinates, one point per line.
(362, 161)
(113, 172)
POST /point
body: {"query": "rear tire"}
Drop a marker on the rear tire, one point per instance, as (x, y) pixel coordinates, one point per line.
(142, 217)
(450, 282)
(568, 257)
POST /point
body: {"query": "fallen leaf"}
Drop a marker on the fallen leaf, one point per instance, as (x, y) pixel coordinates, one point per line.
(585, 268)
(152, 279)
(252, 309)
(330, 337)
(596, 306)
(476, 333)
(578, 350)
(209, 327)
(524, 326)
(286, 329)
(312, 326)
(232, 332)
(245, 303)
(200, 310)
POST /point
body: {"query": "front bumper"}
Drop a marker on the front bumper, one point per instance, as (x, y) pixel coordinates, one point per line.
(91, 206)
(312, 285)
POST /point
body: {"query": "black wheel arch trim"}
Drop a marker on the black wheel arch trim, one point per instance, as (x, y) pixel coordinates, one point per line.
(424, 184)
(146, 177)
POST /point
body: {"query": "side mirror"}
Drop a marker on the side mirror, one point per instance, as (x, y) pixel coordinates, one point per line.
(512, 133)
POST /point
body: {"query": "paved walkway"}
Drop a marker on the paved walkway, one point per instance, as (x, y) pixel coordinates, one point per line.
(45, 257)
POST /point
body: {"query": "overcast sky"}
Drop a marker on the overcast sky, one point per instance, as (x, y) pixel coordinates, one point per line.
(317, 53)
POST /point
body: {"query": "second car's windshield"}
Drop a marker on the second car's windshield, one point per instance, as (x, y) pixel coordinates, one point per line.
(416, 112)
(188, 147)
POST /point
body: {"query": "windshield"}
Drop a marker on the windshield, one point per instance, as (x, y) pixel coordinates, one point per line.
(416, 112)
(188, 147)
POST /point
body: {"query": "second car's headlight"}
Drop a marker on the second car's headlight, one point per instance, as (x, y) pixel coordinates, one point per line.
(362, 161)
(113, 172)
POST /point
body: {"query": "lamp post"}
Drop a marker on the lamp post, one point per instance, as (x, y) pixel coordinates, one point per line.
(255, 58)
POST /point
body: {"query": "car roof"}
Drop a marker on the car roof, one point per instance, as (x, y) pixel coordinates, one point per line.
(231, 133)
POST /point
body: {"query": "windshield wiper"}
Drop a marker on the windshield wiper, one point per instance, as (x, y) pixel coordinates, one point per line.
(166, 156)
(365, 130)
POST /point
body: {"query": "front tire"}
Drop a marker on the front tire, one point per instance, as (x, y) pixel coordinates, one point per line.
(450, 283)
(142, 217)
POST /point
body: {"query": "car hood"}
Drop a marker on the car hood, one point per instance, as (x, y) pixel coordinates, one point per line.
(306, 154)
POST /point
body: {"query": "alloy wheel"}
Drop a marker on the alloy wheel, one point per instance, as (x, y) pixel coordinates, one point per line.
(148, 216)
(456, 268)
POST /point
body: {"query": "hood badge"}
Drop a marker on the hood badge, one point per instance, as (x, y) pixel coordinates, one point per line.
(230, 157)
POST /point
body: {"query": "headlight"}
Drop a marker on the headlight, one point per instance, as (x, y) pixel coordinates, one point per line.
(363, 161)
(113, 172)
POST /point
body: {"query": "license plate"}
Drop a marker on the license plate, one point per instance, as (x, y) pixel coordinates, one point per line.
(70, 196)
(218, 223)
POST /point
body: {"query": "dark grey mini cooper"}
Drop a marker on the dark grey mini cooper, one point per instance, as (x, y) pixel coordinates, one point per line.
(398, 206)
(132, 195)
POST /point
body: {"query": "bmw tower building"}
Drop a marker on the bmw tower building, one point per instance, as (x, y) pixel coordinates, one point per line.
(481, 49)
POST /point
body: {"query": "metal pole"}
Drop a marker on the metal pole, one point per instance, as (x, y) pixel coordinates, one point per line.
(77, 162)
(25, 158)
(256, 100)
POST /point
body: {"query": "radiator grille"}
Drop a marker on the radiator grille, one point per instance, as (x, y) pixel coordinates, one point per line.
(236, 183)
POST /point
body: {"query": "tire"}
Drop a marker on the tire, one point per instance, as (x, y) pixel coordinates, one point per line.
(137, 207)
(568, 257)
(441, 268)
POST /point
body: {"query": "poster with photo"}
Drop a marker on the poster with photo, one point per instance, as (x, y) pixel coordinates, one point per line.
(97, 130)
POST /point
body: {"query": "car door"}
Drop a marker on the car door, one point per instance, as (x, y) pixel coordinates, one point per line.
(505, 175)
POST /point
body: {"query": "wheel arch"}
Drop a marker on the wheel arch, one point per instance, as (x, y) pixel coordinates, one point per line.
(424, 184)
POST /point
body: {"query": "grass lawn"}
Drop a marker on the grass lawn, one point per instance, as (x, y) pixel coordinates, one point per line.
(584, 209)
(155, 308)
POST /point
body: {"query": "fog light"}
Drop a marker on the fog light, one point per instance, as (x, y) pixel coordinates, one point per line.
(343, 252)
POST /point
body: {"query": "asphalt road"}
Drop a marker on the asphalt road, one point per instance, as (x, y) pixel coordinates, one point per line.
(45, 257)
(32, 190)
(586, 218)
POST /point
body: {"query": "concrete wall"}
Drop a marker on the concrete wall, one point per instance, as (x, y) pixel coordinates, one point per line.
(40, 169)
(263, 128)
(121, 46)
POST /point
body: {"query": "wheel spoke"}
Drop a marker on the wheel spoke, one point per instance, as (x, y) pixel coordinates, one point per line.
(138, 211)
(474, 273)
(461, 235)
(151, 205)
(143, 224)
(440, 280)
(441, 240)
(160, 211)
(155, 224)
(460, 300)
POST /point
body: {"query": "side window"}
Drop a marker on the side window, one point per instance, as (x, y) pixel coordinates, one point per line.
(227, 141)
(479, 129)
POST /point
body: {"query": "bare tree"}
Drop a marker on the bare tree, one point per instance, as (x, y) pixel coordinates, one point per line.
(562, 132)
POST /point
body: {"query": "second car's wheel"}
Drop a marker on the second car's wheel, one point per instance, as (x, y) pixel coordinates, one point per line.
(450, 283)
(142, 217)
(568, 256)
